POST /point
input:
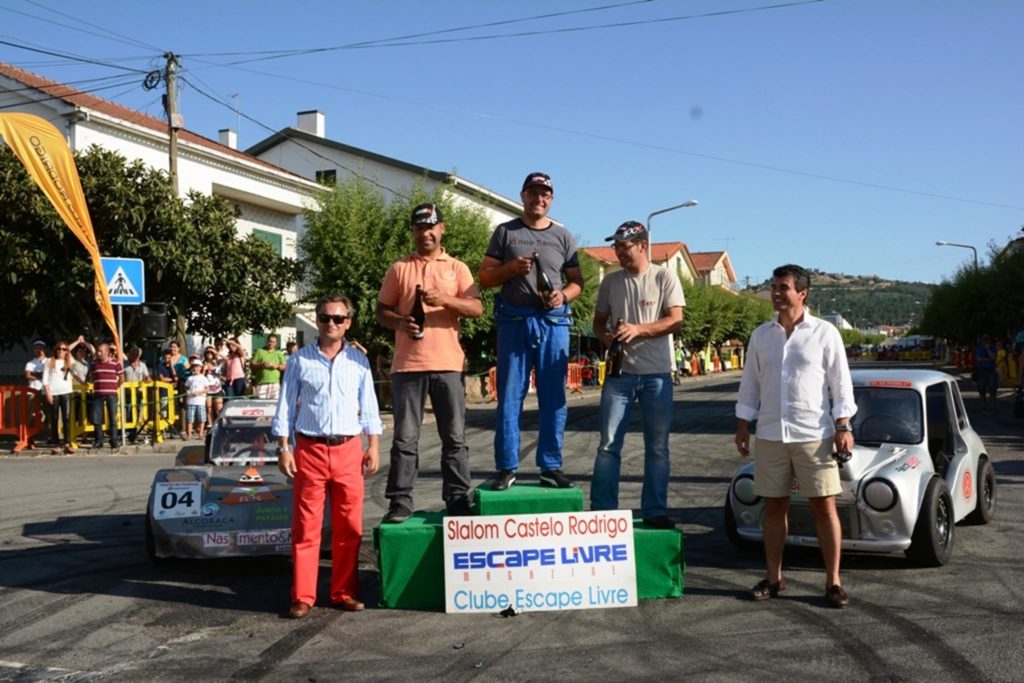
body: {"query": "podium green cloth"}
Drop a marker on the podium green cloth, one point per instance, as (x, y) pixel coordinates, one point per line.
(410, 557)
(525, 499)
(411, 561)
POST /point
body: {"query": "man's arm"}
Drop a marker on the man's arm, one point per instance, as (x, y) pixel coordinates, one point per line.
(570, 290)
(600, 326)
(494, 272)
(669, 322)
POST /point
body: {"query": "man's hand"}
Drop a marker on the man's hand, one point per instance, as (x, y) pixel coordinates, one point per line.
(626, 332)
(844, 442)
(407, 325)
(371, 460)
(556, 299)
(434, 297)
(521, 265)
(286, 463)
(743, 438)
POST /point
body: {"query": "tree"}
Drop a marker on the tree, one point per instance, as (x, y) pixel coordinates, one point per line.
(354, 235)
(213, 281)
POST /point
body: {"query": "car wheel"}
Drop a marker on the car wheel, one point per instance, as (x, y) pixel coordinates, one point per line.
(985, 509)
(734, 535)
(932, 542)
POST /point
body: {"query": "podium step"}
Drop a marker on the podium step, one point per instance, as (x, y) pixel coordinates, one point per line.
(526, 499)
(411, 560)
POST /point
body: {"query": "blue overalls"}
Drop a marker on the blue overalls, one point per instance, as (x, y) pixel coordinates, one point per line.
(531, 337)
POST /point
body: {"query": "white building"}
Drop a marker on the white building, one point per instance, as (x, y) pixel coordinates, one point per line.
(269, 199)
(307, 151)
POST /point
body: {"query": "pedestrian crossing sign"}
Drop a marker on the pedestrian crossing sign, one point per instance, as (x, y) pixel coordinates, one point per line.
(126, 281)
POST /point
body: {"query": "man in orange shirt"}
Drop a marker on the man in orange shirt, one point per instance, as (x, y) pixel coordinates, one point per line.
(428, 362)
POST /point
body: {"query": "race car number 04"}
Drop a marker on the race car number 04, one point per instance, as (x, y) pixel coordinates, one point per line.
(177, 499)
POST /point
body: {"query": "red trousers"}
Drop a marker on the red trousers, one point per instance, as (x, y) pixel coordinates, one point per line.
(322, 469)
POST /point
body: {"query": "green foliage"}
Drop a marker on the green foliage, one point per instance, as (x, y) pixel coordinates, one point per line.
(213, 281)
(713, 316)
(989, 300)
(583, 305)
(354, 236)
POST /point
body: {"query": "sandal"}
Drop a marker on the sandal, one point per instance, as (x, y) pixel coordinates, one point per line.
(765, 589)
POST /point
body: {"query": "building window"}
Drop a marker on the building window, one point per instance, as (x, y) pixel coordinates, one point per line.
(271, 238)
(328, 177)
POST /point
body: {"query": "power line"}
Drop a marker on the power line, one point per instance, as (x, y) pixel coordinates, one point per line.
(113, 35)
(274, 54)
(98, 79)
(299, 143)
(643, 145)
(73, 57)
(50, 98)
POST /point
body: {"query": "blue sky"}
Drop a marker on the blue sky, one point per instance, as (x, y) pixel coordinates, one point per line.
(843, 135)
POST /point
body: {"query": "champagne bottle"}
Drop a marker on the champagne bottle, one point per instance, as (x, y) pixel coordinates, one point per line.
(544, 286)
(418, 315)
(616, 354)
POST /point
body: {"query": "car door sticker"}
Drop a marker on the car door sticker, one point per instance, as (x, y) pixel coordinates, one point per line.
(250, 489)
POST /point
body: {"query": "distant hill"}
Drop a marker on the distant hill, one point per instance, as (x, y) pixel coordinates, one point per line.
(865, 300)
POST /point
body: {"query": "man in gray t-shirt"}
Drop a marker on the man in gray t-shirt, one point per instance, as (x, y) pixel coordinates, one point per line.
(533, 328)
(649, 301)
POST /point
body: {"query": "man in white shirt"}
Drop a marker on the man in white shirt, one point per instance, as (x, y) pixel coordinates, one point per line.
(796, 384)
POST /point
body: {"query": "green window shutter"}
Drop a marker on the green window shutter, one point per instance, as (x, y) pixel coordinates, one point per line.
(271, 238)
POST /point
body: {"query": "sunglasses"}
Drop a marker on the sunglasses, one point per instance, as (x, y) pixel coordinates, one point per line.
(324, 318)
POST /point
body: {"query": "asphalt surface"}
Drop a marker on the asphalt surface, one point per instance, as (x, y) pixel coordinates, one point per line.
(81, 602)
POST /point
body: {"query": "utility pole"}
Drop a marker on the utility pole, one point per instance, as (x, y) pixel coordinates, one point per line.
(174, 119)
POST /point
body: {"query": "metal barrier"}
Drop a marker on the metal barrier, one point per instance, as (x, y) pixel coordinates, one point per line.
(492, 384)
(574, 378)
(150, 405)
(21, 414)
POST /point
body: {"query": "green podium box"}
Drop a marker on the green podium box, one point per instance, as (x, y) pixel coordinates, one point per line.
(660, 564)
(410, 556)
(525, 499)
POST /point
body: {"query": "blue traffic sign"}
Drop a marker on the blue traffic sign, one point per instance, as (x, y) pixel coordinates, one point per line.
(126, 280)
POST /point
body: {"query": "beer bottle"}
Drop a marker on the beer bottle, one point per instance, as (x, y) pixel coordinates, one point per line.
(418, 315)
(544, 286)
(616, 355)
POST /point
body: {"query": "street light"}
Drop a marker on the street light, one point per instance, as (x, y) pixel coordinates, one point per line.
(688, 203)
(944, 243)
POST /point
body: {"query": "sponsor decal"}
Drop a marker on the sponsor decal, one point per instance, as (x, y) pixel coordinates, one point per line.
(273, 513)
(911, 463)
(968, 485)
(573, 560)
(250, 489)
(210, 509)
(264, 537)
(216, 539)
(890, 383)
(208, 521)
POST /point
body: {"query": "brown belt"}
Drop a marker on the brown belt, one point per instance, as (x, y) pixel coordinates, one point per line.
(329, 440)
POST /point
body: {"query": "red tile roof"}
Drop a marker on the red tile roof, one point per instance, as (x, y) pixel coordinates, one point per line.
(87, 101)
(660, 252)
(705, 262)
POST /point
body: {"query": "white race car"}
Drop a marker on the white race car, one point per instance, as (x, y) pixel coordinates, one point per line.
(917, 469)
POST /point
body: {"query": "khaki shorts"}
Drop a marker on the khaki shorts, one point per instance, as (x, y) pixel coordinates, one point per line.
(777, 464)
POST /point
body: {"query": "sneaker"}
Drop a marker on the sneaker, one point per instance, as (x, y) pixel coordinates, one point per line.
(659, 522)
(459, 508)
(555, 479)
(503, 480)
(836, 597)
(397, 514)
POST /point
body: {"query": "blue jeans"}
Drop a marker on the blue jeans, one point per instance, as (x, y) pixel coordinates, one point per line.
(515, 360)
(654, 393)
(99, 403)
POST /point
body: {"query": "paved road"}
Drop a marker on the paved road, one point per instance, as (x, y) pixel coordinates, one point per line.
(80, 601)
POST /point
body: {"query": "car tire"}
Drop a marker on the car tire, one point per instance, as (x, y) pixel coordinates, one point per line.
(731, 531)
(151, 542)
(985, 508)
(934, 533)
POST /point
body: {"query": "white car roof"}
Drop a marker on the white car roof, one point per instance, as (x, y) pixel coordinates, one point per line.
(917, 378)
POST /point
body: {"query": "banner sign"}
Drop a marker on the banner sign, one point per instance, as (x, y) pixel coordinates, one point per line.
(568, 560)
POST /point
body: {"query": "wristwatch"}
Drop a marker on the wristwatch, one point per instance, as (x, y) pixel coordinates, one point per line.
(845, 427)
(283, 450)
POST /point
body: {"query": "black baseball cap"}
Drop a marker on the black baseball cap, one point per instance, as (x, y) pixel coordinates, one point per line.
(538, 178)
(426, 214)
(630, 230)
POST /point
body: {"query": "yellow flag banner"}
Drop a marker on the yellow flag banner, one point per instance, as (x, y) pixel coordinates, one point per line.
(47, 158)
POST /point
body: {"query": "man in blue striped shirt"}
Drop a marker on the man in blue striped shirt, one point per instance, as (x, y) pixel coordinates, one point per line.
(327, 400)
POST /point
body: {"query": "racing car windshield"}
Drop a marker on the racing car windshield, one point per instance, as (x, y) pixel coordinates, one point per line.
(242, 444)
(888, 415)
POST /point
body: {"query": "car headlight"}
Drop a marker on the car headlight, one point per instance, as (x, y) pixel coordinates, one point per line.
(743, 489)
(880, 495)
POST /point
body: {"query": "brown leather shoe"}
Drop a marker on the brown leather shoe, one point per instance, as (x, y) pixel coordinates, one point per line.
(836, 597)
(765, 590)
(350, 605)
(299, 610)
